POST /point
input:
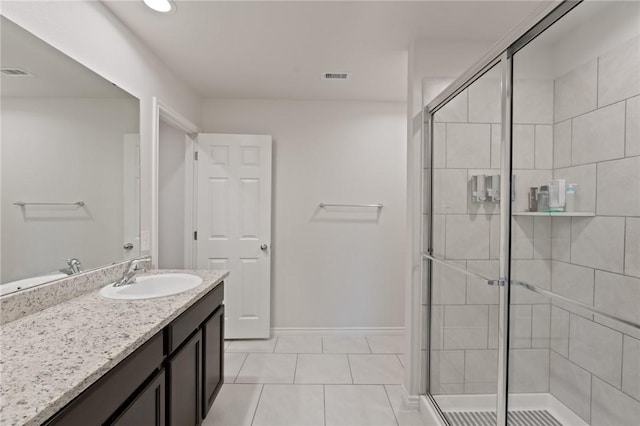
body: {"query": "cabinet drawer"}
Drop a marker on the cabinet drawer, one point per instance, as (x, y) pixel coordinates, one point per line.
(183, 326)
(95, 405)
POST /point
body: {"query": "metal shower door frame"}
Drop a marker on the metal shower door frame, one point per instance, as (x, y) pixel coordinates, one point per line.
(501, 54)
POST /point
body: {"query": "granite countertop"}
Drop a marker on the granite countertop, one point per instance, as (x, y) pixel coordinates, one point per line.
(49, 357)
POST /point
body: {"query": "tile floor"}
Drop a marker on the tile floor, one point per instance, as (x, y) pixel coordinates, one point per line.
(307, 380)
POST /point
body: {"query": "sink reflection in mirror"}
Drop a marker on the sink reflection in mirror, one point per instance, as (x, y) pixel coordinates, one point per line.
(70, 165)
(152, 286)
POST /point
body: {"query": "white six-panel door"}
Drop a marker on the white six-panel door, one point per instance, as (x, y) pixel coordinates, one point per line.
(234, 226)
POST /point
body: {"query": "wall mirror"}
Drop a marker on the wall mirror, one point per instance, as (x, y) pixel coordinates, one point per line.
(70, 165)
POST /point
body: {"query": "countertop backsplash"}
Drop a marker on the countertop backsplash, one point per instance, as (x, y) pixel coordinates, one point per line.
(26, 302)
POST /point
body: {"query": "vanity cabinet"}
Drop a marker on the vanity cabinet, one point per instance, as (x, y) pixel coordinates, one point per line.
(185, 383)
(171, 380)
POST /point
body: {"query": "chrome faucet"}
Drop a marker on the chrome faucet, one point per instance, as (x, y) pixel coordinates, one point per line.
(129, 276)
(74, 266)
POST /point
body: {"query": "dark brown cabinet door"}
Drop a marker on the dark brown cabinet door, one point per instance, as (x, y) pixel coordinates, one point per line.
(212, 358)
(148, 409)
(185, 383)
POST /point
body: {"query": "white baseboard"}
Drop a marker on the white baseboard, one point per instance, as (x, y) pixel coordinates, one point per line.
(282, 331)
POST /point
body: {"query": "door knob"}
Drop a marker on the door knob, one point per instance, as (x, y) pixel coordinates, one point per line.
(128, 246)
(264, 247)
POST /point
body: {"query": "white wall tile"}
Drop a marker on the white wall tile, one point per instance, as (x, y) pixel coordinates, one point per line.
(450, 191)
(561, 238)
(619, 73)
(631, 367)
(536, 272)
(596, 348)
(533, 102)
(439, 233)
(478, 292)
(468, 146)
(520, 326)
(632, 247)
(481, 367)
(598, 135)
(455, 111)
(571, 385)
(612, 407)
(576, 92)
(521, 237)
(493, 327)
(467, 237)
(436, 325)
(447, 367)
(559, 340)
(484, 101)
(439, 146)
(541, 327)
(496, 140)
(542, 238)
(465, 327)
(448, 285)
(562, 144)
(523, 155)
(619, 187)
(618, 295)
(598, 242)
(529, 370)
(572, 281)
(585, 177)
(544, 147)
(633, 127)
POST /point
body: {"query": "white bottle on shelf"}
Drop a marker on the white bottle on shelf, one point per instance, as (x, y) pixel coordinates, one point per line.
(570, 200)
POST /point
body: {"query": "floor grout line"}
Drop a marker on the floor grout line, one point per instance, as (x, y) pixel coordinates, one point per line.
(255, 411)
(350, 372)
(390, 404)
(240, 369)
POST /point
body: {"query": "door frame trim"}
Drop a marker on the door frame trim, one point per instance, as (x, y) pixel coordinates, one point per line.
(161, 111)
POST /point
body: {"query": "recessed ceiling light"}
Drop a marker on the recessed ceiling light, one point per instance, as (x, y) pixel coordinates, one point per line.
(163, 6)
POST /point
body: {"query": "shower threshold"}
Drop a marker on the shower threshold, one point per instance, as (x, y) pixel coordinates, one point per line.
(524, 410)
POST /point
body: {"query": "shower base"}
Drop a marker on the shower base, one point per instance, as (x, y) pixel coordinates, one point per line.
(515, 418)
(525, 410)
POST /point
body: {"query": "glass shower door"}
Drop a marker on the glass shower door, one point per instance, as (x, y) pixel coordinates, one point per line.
(574, 353)
(462, 251)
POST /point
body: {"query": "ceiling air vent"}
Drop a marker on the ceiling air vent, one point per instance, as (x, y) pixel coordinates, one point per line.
(15, 72)
(335, 76)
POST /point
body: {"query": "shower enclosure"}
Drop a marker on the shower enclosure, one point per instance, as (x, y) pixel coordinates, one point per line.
(532, 214)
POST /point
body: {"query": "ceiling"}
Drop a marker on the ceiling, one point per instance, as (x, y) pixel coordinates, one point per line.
(275, 49)
(54, 74)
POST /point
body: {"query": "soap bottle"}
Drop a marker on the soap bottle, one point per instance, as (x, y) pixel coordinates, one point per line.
(543, 198)
(570, 201)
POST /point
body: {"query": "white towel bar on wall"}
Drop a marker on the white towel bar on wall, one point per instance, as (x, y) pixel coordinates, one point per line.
(73, 203)
(323, 205)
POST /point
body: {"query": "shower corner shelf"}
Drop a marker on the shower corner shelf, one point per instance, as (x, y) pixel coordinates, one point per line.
(561, 214)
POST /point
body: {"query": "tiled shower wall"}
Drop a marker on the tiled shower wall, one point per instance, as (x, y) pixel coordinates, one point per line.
(464, 335)
(583, 127)
(595, 362)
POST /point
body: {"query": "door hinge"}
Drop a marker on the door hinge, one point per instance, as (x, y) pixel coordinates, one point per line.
(499, 283)
(195, 155)
(195, 235)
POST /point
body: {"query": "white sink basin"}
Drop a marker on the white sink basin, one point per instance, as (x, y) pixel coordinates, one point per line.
(152, 286)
